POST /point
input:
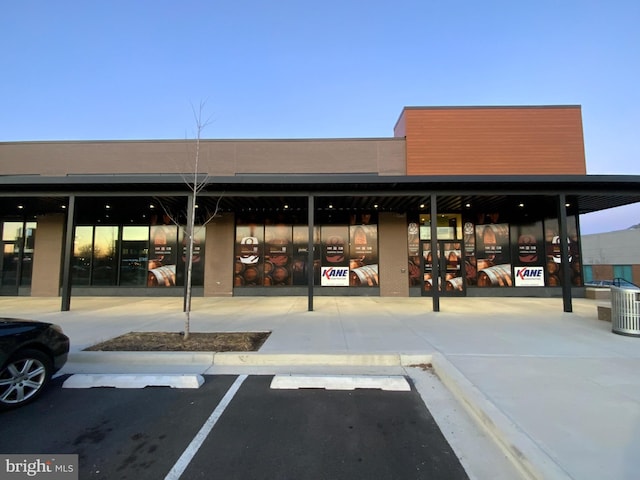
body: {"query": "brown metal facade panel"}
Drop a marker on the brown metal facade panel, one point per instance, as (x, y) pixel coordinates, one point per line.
(494, 141)
(217, 157)
(392, 239)
(219, 250)
(46, 256)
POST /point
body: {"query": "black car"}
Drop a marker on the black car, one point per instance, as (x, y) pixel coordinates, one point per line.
(30, 353)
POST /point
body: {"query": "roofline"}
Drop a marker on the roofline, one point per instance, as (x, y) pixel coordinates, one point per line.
(485, 107)
(202, 140)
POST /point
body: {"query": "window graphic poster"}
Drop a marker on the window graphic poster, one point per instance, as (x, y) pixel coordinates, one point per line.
(470, 262)
(335, 262)
(413, 244)
(493, 258)
(249, 262)
(198, 256)
(278, 255)
(553, 252)
(300, 267)
(163, 256)
(363, 256)
(528, 255)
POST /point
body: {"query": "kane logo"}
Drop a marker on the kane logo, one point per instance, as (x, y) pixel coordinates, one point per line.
(530, 273)
(335, 276)
(336, 272)
(529, 276)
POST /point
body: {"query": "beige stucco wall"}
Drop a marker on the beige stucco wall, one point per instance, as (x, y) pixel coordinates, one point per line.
(394, 254)
(217, 157)
(46, 256)
(219, 255)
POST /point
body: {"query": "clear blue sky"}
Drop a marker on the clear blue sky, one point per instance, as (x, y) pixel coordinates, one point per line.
(78, 70)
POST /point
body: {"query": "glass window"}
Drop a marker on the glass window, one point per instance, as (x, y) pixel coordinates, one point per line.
(135, 255)
(363, 256)
(278, 255)
(105, 259)
(334, 261)
(27, 254)
(588, 273)
(623, 271)
(163, 256)
(11, 242)
(197, 272)
(300, 266)
(82, 254)
(449, 226)
(249, 255)
(11, 231)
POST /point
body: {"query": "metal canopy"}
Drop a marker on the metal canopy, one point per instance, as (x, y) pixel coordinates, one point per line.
(34, 195)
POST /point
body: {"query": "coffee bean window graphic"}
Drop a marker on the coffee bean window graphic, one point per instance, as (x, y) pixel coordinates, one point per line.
(277, 255)
(249, 263)
(494, 252)
(413, 244)
(363, 256)
(450, 264)
(554, 256)
(493, 265)
(162, 261)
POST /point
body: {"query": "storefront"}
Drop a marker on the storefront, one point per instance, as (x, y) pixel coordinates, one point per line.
(312, 217)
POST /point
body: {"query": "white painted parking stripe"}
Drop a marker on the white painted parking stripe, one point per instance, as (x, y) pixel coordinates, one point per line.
(190, 452)
(341, 382)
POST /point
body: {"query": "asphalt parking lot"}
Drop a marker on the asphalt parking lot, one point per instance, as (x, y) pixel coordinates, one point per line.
(157, 432)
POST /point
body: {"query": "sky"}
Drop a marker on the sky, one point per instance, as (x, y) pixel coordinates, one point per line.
(132, 69)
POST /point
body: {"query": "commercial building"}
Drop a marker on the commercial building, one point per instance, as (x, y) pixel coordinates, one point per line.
(495, 191)
(612, 255)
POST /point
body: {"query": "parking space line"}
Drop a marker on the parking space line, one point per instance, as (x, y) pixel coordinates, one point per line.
(186, 457)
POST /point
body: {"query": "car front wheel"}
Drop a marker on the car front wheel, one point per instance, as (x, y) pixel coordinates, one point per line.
(23, 378)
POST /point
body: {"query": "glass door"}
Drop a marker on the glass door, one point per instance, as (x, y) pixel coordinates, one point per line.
(450, 272)
(16, 264)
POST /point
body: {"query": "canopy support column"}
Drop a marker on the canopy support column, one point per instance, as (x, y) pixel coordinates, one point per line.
(68, 256)
(435, 255)
(310, 266)
(564, 254)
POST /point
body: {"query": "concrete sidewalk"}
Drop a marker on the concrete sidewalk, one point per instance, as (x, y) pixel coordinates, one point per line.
(558, 391)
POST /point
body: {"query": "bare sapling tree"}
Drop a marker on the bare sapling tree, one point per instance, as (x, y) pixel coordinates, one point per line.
(196, 184)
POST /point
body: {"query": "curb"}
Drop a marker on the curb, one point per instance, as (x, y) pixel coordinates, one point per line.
(523, 452)
(141, 358)
(246, 359)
